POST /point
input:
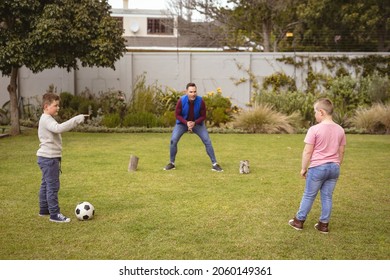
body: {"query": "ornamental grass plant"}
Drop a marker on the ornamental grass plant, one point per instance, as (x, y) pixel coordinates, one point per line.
(192, 213)
(263, 119)
(375, 119)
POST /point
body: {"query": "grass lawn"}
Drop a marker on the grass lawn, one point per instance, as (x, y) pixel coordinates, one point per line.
(192, 213)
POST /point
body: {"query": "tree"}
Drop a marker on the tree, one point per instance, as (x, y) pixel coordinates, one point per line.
(262, 22)
(345, 25)
(55, 33)
(316, 25)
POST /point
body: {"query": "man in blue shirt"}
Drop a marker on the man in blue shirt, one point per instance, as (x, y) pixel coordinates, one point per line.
(190, 116)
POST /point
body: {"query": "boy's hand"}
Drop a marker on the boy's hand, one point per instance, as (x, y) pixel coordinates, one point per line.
(303, 173)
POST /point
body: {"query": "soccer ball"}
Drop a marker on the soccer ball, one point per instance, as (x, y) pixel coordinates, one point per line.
(84, 211)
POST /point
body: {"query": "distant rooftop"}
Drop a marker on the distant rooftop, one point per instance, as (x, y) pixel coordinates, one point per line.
(140, 12)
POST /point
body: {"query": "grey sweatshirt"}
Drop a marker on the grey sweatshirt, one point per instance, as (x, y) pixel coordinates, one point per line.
(49, 134)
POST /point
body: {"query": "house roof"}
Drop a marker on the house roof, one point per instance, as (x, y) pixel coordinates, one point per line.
(143, 12)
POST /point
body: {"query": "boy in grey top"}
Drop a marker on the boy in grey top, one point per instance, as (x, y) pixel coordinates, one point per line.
(49, 156)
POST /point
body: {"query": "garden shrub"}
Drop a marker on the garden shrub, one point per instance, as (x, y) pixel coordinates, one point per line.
(111, 120)
(263, 119)
(219, 108)
(167, 100)
(112, 102)
(347, 95)
(71, 105)
(288, 103)
(144, 97)
(378, 90)
(141, 119)
(375, 119)
(168, 119)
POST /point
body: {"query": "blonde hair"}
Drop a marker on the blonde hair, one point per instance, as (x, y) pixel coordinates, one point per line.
(324, 104)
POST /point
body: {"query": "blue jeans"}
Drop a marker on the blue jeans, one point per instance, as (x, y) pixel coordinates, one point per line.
(200, 130)
(321, 179)
(50, 185)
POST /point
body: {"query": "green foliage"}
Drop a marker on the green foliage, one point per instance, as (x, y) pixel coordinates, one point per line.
(71, 105)
(378, 88)
(347, 92)
(316, 82)
(219, 108)
(168, 119)
(46, 34)
(347, 96)
(111, 120)
(279, 81)
(290, 103)
(112, 102)
(343, 25)
(168, 99)
(141, 119)
(4, 114)
(144, 97)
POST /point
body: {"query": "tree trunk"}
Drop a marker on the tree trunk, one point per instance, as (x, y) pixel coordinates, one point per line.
(14, 104)
(266, 36)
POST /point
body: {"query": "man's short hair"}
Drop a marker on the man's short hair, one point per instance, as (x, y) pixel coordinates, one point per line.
(190, 85)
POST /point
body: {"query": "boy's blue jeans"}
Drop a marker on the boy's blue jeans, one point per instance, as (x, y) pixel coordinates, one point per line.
(200, 130)
(50, 185)
(321, 179)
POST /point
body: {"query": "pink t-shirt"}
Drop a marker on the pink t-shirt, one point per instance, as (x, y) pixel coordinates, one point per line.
(326, 138)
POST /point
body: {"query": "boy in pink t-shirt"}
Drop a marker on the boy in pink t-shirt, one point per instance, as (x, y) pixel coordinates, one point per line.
(321, 160)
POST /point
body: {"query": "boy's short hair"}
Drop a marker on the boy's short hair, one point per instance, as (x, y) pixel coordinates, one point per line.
(49, 98)
(325, 104)
(190, 85)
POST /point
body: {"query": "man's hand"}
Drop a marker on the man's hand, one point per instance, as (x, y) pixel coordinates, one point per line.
(190, 125)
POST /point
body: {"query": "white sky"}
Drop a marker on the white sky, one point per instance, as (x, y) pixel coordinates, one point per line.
(140, 4)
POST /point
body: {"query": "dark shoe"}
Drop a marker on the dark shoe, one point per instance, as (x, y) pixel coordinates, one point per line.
(169, 166)
(322, 227)
(59, 218)
(217, 167)
(296, 224)
(43, 213)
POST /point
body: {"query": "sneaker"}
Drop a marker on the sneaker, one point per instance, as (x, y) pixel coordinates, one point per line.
(296, 224)
(169, 166)
(322, 227)
(217, 167)
(43, 213)
(59, 218)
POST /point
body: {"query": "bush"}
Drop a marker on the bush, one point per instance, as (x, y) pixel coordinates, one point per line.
(263, 119)
(168, 119)
(219, 108)
(379, 89)
(112, 102)
(144, 97)
(141, 119)
(111, 120)
(373, 120)
(167, 100)
(289, 103)
(347, 95)
(71, 105)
